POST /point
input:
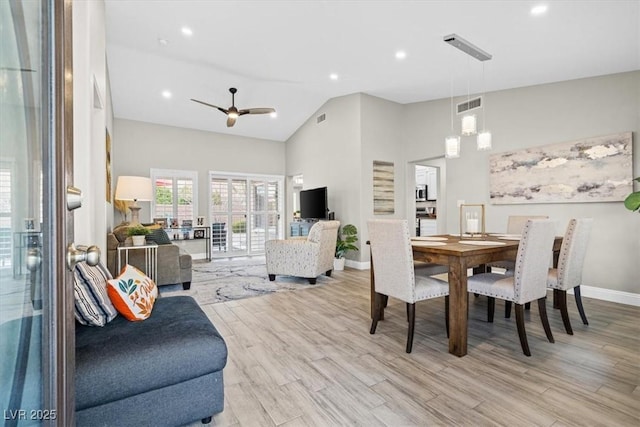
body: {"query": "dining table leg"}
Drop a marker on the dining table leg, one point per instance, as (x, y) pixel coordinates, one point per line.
(458, 306)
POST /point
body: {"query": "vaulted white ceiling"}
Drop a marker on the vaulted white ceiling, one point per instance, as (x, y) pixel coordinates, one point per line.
(280, 53)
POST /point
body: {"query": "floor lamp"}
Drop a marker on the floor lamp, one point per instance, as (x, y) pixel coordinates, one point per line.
(136, 188)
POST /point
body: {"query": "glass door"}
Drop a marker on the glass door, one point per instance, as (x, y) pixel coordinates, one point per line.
(245, 213)
(36, 302)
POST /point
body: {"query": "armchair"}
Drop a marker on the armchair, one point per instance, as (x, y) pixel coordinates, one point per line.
(306, 258)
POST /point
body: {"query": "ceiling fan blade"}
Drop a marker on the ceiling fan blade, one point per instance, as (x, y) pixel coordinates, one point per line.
(211, 105)
(256, 111)
(231, 121)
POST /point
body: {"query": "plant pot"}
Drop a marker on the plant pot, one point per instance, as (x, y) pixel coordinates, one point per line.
(138, 240)
(338, 264)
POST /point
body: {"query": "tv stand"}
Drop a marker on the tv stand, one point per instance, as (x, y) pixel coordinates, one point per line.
(302, 227)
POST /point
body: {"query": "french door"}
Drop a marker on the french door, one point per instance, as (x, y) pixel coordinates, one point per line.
(36, 292)
(245, 212)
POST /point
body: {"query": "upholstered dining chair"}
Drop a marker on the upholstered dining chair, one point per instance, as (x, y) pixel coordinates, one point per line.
(568, 275)
(529, 281)
(515, 225)
(395, 277)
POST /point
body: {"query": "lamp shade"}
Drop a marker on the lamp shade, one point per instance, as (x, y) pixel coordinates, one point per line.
(134, 188)
(484, 140)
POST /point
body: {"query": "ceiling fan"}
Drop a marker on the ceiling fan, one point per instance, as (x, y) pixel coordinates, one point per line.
(232, 112)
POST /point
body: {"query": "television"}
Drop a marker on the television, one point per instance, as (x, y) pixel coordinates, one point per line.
(313, 203)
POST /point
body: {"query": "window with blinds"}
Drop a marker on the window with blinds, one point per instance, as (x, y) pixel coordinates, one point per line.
(175, 194)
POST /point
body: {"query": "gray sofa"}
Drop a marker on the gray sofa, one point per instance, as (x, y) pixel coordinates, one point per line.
(174, 265)
(163, 371)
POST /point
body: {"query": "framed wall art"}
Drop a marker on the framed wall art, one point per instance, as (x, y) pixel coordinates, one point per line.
(597, 169)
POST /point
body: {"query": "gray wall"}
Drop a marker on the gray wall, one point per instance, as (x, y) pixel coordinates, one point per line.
(328, 154)
(139, 146)
(539, 115)
(518, 118)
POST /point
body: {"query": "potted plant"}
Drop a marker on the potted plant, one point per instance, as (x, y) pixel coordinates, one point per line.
(632, 202)
(137, 234)
(347, 236)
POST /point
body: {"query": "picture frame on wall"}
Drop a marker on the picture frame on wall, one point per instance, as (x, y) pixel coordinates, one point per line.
(198, 234)
(187, 223)
(200, 221)
(161, 221)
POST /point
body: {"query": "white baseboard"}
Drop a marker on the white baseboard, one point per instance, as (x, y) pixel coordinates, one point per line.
(609, 295)
(587, 291)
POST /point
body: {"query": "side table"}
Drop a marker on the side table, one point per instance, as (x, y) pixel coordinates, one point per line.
(150, 257)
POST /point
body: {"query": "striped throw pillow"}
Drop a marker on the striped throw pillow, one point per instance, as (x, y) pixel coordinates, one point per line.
(92, 304)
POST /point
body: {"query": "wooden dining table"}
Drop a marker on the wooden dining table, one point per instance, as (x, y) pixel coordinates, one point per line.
(448, 250)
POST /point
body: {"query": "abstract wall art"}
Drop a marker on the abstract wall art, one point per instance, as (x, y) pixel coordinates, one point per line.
(383, 188)
(597, 169)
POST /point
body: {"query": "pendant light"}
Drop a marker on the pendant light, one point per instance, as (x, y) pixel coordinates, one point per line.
(468, 120)
(484, 137)
(452, 142)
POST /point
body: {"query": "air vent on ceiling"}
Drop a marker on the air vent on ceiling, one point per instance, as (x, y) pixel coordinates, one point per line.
(472, 104)
(321, 118)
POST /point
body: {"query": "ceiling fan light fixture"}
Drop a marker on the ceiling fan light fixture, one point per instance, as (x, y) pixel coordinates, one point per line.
(233, 115)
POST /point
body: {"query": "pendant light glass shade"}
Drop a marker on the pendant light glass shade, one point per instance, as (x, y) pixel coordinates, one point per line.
(484, 140)
(469, 124)
(452, 146)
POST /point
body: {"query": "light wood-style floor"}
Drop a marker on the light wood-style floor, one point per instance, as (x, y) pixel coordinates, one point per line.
(306, 358)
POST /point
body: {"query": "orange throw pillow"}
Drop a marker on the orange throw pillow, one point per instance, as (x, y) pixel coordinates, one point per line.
(132, 293)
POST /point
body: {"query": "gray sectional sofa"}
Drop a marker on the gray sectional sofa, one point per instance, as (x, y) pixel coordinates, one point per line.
(163, 371)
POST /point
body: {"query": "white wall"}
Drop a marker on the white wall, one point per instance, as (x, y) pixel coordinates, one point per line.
(540, 115)
(140, 146)
(90, 119)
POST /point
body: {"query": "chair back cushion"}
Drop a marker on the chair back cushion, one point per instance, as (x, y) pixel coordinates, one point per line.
(325, 233)
(516, 223)
(392, 258)
(532, 261)
(572, 253)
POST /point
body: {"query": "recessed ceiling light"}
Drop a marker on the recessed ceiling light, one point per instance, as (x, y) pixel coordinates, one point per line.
(274, 114)
(333, 76)
(401, 54)
(166, 94)
(163, 42)
(539, 9)
(187, 31)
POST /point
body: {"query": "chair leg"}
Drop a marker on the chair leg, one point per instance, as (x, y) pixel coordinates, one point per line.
(272, 277)
(507, 309)
(561, 298)
(527, 306)
(377, 308)
(578, 295)
(446, 313)
(412, 322)
(408, 314)
(328, 273)
(522, 333)
(385, 300)
(491, 308)
(312, 280)
(542, 308)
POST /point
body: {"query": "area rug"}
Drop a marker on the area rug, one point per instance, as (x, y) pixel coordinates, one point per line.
(224, 280)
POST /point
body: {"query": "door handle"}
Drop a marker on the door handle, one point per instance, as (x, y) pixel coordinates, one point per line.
(76, 254)
(34, 259)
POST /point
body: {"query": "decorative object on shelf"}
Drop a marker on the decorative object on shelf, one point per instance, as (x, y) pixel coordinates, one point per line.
(472, 223)
(383, 188)
(187, 223)
(136, 188)
(547, 174)
(469, 121)
(138, 234)
(198, 234)
(174, 223)
(632, 202)
(122, 207)
(347, 237)
(200, 221)
(29, 224)
(162, 222)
